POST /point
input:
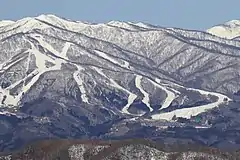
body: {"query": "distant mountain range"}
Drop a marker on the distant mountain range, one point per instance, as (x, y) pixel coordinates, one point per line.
(69, 79)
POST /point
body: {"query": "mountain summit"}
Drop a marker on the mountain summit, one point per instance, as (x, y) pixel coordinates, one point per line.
(71, 79)
(230, 29)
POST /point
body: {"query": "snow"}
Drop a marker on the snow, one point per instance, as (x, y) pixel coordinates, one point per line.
(65, 49)
(170, 95)
(41, 68)
(183, 100)
(131, 96)
(224, 32)
(29, 23)
(105, 56)
(45, 17)
(4, 65)
(145, 100)
(140, 24)
(40, 64)
(7, 113)
(10, 100)
(131, 99)
(29, 85)
(5, 23)
(124, 25)
(28, 61)
(233, 23)
(75, 26)
(188, 112)
(201, 127)
(50, 48)
(228, 30)
(35, 72)
(77, 151)
(78, 79)
(58, 63)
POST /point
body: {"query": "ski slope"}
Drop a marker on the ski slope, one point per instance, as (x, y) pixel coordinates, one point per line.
(79, 80)
(193, 111)
(170, 95)
(131, 96)
(106, 56)
(146, 99)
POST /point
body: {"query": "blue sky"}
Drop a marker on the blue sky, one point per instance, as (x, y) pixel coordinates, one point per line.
(191, 14)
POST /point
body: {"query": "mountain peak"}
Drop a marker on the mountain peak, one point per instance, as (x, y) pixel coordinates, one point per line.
(46, 17)
(233, 23)
(229, 30)
(5, 22)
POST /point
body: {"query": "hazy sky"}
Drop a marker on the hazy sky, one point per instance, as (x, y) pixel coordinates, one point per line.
(192, 14)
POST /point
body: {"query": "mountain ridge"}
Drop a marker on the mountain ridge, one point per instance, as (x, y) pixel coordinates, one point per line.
(230, 29)
(73, 79)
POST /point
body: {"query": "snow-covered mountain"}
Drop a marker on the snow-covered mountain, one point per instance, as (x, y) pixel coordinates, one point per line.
(230, 29)
(69, 77)
(5, 23)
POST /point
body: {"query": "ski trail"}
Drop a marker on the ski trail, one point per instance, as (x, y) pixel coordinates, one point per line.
(146, 99)
(81, 87)
(131, 96)
(52, 50)
(170, 95)
(28, 61)
(167, 86)
(131, 99)
(188, 112)
(9, 99)
(65, 50)
(35, 72)
(41, 68)
(4, 66)
(57, 61)
(13, 100)
(35, 79)
(105, 56)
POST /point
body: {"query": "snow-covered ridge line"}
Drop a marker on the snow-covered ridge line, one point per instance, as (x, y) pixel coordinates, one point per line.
(29, 23)
(5, 23)
(201, 35)
(229, 30)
